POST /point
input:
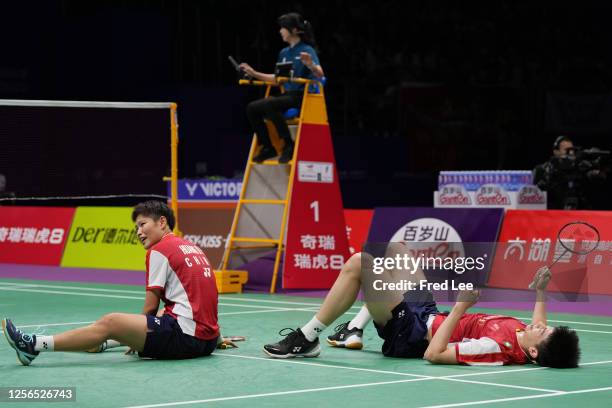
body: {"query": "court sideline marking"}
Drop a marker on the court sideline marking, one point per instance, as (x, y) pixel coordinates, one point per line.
(24, 287)
(493, 401)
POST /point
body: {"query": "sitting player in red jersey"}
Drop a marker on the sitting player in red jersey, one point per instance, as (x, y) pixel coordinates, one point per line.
(412, 327)
(178, 273)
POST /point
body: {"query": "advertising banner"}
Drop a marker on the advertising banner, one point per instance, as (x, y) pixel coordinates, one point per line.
(526, 196)
(34, 235)
(203, 190)
(440, 232)
(528, 241)
(208, 228)
(316, 246)
(104, 237)
(357, 228)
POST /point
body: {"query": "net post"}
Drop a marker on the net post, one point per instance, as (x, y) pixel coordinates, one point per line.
(174, 166)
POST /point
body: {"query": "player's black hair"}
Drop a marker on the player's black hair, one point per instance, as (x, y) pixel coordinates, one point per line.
(304, 28)
(154, 209)
(560, 350)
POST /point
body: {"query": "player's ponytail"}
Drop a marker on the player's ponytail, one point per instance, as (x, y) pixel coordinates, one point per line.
(304, 27)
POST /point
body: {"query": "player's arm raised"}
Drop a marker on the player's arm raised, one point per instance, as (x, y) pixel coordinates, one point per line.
(438, 351)
(540, 282)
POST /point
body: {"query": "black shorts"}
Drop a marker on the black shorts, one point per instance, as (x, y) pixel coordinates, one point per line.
(404, 335)
(166, 341)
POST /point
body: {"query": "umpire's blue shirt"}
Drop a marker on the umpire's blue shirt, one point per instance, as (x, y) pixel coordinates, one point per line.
(299, 69)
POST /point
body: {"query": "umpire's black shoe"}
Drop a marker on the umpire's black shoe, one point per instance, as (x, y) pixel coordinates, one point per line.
(287, 153)
(295, 344)
(266, 152)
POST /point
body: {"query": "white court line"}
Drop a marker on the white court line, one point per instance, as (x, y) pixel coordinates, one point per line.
(493, 401)
(570, 321)
(317, 305)
(36, 285)
(270, 394)
(220, 314)
(266, 311)
(400, 373)
(498, 385)
(54, 324)
(382, 372)
(279, 361)
(518, 370)
(592, 331)
(33, 285)
(550, 393)
(57, 292)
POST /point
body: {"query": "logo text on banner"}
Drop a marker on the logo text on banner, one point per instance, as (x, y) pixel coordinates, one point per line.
(104, 237)
(34, 235)
(439, 232)
(528, 241)
(208, 190)
(317, 245)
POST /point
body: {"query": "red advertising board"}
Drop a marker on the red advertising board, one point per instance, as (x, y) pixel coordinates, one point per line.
(317, 245)
(528, 240)
(357, 228)
(34, 235)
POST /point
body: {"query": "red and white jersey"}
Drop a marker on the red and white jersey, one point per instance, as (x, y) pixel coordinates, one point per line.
(187, 281)
(482, 339)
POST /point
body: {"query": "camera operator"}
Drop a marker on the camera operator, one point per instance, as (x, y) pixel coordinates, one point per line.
(571, 176)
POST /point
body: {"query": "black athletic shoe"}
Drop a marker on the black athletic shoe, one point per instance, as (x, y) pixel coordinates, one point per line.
(266, 152)
(287, 154)
(343, 337)
(21, 342)
(295, 344)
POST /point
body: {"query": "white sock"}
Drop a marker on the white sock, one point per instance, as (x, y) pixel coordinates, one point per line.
(44, 343)
(112, 344)
(361, 320)
(313, 328)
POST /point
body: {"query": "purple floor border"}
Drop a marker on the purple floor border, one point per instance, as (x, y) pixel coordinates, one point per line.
(596, 305)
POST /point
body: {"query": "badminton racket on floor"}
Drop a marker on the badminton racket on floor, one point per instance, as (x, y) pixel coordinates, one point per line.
(228, 342)
(578, 237)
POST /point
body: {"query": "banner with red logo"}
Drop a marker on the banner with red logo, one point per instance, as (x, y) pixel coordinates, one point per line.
(528, 241)
(357, 228)
(317, 246)
(34, 235)
(440, 232)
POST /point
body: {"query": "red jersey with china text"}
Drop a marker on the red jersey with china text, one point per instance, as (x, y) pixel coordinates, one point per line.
(482, 339)
(187, 281)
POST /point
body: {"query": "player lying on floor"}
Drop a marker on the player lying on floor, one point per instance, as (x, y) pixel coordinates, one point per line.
(412, 327)
(178, 273)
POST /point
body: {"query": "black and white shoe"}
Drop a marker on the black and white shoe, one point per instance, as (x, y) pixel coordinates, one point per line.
(295, 344)
(22, 343)
(346, 338)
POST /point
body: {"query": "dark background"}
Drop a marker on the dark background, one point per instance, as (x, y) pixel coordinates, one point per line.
(414, 87)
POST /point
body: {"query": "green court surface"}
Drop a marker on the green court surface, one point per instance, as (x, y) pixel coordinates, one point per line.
(245, 377)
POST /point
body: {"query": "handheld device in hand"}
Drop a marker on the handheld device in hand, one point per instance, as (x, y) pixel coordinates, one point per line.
(234, 63)
(237, 67)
